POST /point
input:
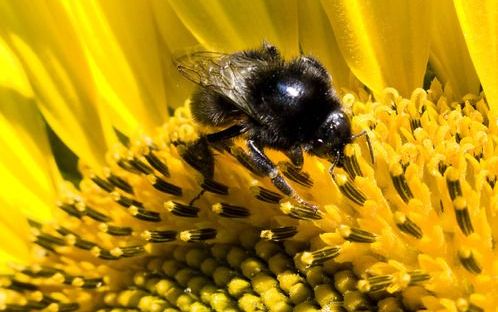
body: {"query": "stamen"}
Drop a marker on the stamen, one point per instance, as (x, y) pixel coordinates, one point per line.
(418, 276)
(140, 166)
(128, 251)
(214, 187)
(295, 174)
(348, 189)
(159, 236)
(157, 163)
(71, 210)
(266, 195)
(468, 261)
(406, 225)
(145, 215)
(279, 233)
(319, 256)
(356, 235)
(453, 184)
(103, 184)
(163, 186)
(126, 165)
(400, 183)
(120, 183)
(415, 123)
(230, 211)
(126, 201)
(300, 212)
(115, 230)
(96, 215)
(198, 235)
(103, 253)
(181, 210)
(466, 306)
(350, 162)
(463, 216)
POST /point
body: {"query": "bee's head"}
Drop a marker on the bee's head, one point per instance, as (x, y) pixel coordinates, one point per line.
(332, 136)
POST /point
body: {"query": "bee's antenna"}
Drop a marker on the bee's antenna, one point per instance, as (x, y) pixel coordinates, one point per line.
(369, 143)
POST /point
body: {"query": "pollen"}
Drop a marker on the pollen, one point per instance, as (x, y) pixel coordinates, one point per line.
(406, 221)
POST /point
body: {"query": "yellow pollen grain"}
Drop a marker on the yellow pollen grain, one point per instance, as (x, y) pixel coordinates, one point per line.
(185, 236)
(117, 252)
(460, 203)
(395, 169)
(217, 208)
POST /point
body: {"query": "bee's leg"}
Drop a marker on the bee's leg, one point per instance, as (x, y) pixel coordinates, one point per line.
(226, 134)
(295, 155)
(265, 165)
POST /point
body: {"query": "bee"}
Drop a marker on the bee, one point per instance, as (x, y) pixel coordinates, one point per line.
(289, 106)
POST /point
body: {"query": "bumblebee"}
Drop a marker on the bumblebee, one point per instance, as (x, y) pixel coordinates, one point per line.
(288, 106)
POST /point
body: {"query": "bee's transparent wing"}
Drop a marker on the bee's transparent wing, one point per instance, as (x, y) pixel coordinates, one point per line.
(223, 73)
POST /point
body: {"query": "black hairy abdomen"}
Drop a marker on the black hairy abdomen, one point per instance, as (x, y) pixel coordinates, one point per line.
(213, 109)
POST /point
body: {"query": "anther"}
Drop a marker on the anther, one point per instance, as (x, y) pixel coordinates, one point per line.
(279, 233)
(319, 256)
(350, 162)
(157, 163)
(103, 253)
(145, 215)
(418, 277)
(293, 173)
(468, 261)
(197, 235)
(406, 225)
(348, 189)
(230, 211)
(163, 186)
(103, 184)
(463, 216)
(140, 166)
(71, 210)
(400, 183)
(266, 195)
(356, 235)
(159, 236)
(453, 184)
(96, 215)
(300, 212)
(126, 201)
(115, 230)
(120, 183)
(214, 187)
(128, 251)
(181, 210)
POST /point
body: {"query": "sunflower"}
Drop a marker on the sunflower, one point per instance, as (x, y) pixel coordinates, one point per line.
(98, 170)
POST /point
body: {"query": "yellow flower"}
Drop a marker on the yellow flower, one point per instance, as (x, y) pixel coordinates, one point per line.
(412, 228)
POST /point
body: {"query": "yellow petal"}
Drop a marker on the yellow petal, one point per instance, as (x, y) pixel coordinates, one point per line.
(14, 230)
(479, 23)
(449, 54)
(175, 40)
(26, 162)
(126, 58)
(317, 38)
(385, 43)
(235, 25)
(53, 60)
(12, 76)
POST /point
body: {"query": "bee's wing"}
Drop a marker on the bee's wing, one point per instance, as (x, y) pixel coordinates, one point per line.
(220, 72)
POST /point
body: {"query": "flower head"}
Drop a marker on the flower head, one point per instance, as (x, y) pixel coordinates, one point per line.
(405, 223)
